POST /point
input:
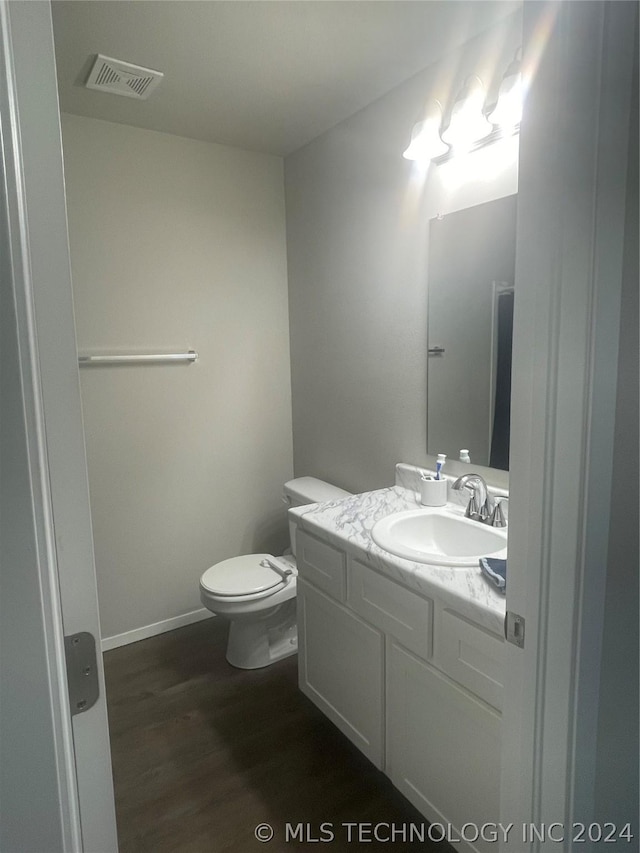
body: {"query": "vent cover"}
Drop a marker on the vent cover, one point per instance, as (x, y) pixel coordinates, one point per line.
(122, 78)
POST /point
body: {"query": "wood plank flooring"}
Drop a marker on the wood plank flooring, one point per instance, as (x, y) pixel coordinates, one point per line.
(203, 753)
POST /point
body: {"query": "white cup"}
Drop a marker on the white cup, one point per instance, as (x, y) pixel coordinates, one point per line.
(433, 492)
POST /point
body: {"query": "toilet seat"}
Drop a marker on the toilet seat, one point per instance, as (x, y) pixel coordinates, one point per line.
(243, 578)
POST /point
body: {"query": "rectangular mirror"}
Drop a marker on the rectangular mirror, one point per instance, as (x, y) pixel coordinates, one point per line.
(470, 327)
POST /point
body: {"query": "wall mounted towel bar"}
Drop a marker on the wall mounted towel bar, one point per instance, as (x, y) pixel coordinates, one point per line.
(137, 358)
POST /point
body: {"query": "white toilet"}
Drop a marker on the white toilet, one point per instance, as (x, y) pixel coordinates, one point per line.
(257, 592)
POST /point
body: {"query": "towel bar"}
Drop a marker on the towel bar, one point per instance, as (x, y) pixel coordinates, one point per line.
(137, 358)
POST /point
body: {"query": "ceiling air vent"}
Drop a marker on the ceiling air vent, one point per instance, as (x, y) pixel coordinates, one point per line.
(122, 78)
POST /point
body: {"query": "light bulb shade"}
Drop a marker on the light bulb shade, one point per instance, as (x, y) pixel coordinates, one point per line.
(425, 140)
(508, 109)
(425, 136)
(467, 123)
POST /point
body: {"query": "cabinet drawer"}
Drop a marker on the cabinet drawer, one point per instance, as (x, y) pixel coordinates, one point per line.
(391, 607)
(321, 564)
(473, 657)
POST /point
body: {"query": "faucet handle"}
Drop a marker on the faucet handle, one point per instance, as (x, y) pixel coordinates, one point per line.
(497, 518)
(473, 507)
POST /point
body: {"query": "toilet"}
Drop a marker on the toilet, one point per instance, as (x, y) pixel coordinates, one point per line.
(257, 592)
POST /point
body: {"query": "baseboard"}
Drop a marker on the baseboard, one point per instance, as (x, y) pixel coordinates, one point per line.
(154, 629)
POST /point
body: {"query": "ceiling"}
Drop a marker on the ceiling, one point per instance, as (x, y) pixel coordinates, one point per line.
(265, 75)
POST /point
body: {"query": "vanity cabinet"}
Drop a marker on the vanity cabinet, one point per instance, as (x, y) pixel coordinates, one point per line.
(340, 659)
(443, 745)
(414, 684)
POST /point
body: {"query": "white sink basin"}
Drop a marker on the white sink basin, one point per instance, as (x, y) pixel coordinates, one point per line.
(439, 537)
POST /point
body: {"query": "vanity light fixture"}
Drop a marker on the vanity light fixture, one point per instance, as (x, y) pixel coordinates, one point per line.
(468, 123)
(507, 111)
(471, 125)
(425, 141)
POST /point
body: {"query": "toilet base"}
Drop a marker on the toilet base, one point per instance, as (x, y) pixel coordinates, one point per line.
(256, 643)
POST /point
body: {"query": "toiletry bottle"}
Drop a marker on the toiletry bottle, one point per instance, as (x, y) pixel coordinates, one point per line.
(464, 455)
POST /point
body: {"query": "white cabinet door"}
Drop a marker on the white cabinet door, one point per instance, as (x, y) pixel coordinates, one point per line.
(340, 663)
(443, 746)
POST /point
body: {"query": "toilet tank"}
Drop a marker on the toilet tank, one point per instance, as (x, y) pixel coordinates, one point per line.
(308, 490)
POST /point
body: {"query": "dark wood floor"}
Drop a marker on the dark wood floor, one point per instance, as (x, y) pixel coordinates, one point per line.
(203, 753)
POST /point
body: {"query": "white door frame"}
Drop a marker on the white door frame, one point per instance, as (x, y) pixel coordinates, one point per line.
(568, 270)
(37, 224)
(571, 207)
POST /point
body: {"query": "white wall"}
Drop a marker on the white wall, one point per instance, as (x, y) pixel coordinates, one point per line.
(357, 228)
(177, 243)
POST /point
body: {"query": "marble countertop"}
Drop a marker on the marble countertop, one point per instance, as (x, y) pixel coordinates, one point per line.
(347, 524)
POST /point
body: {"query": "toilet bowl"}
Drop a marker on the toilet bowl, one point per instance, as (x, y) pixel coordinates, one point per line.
(257, 592)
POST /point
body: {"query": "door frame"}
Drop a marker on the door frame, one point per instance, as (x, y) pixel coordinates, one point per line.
(41, 281)
(569, 249)
(570, 234)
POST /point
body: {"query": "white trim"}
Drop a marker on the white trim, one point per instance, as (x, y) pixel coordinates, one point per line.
(22, 286)
(34, 156)
(155, 628)
(568, 271)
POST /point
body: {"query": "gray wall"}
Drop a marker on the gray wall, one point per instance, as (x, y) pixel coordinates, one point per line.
(617, 792)
(357, 227)
(174, 244)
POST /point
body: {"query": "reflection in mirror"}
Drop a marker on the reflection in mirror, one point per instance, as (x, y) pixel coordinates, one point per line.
(471, 293)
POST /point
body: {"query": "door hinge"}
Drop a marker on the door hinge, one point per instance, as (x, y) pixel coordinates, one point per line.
(514, 629)
(82, 671)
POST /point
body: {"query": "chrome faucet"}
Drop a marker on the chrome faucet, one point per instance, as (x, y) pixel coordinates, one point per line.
(481, 506)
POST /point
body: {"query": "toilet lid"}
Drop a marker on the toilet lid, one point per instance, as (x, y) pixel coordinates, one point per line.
(241, 576)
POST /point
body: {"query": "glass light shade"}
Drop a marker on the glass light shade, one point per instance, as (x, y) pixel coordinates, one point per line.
(508, 109)
(468, 123)
(425, 140)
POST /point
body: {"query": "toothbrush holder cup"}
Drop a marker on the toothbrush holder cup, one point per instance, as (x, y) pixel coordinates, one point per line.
(433, 492)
